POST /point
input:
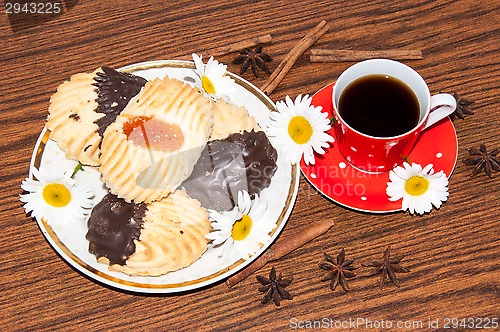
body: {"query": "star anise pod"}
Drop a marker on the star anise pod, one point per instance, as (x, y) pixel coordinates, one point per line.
(274, 287)
(462, 107)
(254, 59)
(483, 160)
(339, 270)
(388, 267)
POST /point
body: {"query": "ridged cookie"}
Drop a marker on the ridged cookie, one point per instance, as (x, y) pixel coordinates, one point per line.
(229, 119)
(172, 237)
(71, 119)
(139, 172)
(84, 106)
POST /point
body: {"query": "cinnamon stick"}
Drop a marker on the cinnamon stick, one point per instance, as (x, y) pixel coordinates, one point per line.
(326, 55)
(284, 67)
(234, 47)
(280, 249)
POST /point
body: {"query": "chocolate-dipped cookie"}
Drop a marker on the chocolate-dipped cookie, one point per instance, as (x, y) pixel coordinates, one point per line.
(113, 227)
(84, 106)
(242, 161)
(148, 239)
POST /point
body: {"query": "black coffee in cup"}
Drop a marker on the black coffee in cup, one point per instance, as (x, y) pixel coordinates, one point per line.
(379, 106)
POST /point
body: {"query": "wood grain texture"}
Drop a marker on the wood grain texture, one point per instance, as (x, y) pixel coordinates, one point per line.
(453, 253)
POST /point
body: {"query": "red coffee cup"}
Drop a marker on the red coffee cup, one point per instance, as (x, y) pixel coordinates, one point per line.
(379, 154)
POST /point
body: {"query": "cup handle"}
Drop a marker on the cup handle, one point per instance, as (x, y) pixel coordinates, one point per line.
(442, 105)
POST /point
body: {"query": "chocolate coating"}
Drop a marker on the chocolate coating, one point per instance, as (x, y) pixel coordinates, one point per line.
(114, 91)
(113, 226)
(244, 161)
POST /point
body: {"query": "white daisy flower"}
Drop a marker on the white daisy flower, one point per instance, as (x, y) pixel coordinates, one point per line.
(55, 197)
(299, 129)
(419, 188)
(241, 231)
(212, 78)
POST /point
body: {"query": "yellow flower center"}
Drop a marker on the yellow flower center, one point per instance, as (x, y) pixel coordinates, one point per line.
(241, 228)
(300, 130)
(207, 85)
(56, 194)
(416, 185)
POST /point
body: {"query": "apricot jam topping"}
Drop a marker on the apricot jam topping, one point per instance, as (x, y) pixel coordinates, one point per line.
(153, 133)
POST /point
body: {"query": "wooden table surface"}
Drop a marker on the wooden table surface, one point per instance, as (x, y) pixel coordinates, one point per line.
(453, 252)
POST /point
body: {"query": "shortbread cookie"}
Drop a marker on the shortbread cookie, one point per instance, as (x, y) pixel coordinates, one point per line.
(72, 117)
(148, 239)
(245, 161)
(84, 106)
(230, 119)
(155, 142)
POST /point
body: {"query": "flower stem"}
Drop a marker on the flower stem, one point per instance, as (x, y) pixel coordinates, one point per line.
(77, 168)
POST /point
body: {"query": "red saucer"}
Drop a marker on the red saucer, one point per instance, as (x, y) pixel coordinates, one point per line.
(335, 178)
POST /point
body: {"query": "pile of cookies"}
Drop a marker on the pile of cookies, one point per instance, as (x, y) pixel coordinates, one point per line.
(167, 153)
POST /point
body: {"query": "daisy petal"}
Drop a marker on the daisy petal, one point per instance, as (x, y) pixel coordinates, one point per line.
(419, 187)
(245, 242)
(299, 130)
(212, 78)
(55, 197)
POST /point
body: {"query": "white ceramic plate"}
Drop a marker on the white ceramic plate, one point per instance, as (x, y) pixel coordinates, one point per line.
(69, 240)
